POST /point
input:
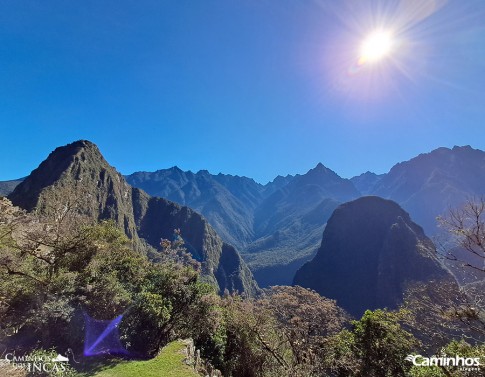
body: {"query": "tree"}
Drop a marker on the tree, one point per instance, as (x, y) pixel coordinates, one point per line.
(53, 268)
(252, 345)
(163, 307)
(284, 332)
(375, 346)
(304, 320)
(32, 253)
(466, 225)
(382, 343)
(446, 310)
(466, 248)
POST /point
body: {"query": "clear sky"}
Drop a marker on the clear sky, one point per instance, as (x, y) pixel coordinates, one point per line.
(251, 87)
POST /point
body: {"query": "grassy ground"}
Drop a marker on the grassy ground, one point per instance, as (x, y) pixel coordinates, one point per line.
(168, 364)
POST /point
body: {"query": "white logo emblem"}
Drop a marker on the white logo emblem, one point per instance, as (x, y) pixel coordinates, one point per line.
(60, 359)
(444, 361)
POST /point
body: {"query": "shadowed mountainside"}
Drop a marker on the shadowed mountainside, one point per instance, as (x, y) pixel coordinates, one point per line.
(371, 250)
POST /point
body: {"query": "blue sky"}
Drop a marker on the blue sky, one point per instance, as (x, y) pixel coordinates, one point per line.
(255, 87)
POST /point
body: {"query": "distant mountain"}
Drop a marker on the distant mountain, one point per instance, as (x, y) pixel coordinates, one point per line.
(278, 226)
(429, 184)
(228, 202)
(366, 182)
(370, 251)
(80, 165)
(6, 187)
(289, 223)
(277, 183)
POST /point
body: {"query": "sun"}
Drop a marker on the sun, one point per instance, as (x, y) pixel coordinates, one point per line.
(375, 47)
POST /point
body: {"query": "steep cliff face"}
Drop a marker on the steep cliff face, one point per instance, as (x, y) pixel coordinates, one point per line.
(81, 167)
(370, 252)
(156, 218)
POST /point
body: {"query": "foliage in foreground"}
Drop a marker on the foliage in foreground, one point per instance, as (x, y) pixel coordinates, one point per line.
(56, 268)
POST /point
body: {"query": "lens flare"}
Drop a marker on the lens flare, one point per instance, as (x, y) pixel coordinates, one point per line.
(102, 337)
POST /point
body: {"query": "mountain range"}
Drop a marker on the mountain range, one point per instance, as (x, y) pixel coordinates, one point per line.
(278, 226)
(430, 184)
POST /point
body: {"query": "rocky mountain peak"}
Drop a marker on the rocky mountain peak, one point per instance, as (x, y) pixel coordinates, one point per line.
(370, 251)
(70, 160)
(320, 169)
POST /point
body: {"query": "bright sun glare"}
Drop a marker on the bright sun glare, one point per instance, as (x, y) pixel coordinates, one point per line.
(375, 47)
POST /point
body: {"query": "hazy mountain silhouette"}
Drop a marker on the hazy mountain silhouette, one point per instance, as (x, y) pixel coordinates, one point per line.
(429, 184)
(141, 216)
(6, 187)
(366, 182)
(370, 251)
